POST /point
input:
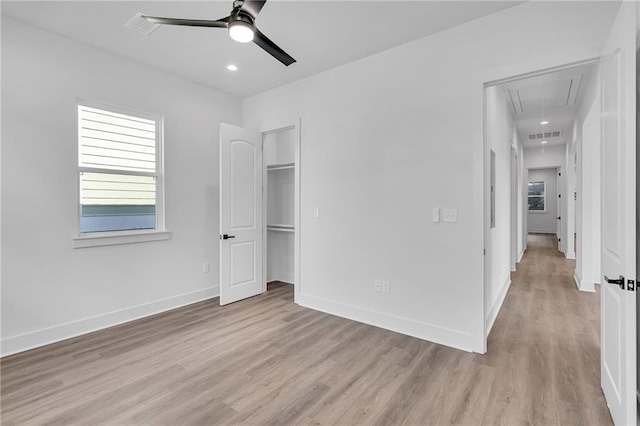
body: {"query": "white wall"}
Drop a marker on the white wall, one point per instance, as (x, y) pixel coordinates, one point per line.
(638, 198)
(570, 199)
(49, 290)
(587, 135)
(389, 137)
(500, 134)
(545, 221)
(553, 156)
(522, 201)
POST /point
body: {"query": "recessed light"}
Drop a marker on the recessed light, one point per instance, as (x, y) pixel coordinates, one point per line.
(544, 122)
(543, 142)
(232, 67)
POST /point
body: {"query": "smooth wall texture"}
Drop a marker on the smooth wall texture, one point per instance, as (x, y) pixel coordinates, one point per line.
(522, 190)
(638, 197)
(386, 139)
(588, 240)
(501, 136)
(49, 290)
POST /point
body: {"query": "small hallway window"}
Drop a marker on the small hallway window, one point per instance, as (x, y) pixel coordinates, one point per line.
(537, 196)
(119, 169)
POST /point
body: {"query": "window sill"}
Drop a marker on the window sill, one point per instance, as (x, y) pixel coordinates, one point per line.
(119, 238)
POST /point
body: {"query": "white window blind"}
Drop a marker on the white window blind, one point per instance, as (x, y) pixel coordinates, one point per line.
(119, 170)
(115, 141)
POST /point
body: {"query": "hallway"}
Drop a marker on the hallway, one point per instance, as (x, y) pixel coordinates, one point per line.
(546, 345)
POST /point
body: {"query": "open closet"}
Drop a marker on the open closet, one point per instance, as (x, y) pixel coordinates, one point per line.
(279, 192)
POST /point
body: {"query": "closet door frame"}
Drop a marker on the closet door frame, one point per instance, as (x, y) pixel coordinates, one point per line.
(296, 126)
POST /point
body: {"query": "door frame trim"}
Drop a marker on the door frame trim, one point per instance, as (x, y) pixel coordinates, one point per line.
(480, 153)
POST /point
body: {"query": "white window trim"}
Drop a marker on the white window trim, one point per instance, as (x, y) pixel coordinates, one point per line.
(97, 239)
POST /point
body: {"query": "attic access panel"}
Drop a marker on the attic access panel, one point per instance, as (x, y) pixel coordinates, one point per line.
(535, 97)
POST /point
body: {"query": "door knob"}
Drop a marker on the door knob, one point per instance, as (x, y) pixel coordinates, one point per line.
(558, 217)
(619, 281)
(226, 237)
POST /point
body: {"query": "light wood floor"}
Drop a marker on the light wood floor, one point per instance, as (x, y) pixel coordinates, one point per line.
(268, 361)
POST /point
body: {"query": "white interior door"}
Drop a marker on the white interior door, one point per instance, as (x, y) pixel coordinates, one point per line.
(240, 214)
(618, 305)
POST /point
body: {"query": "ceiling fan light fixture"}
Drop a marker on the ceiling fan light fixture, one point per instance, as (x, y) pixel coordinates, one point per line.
(241, 31)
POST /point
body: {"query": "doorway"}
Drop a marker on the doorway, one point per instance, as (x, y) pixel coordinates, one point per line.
(544, 198)
(280, 205)
(606, 80)
(259, 210)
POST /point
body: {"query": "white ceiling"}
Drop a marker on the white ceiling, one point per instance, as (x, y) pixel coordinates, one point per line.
(319, 34)
(551, 97)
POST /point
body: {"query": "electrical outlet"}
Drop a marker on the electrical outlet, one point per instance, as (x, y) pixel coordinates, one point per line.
(385, 286)
(377, 285)
(316, 212)
(206, 267)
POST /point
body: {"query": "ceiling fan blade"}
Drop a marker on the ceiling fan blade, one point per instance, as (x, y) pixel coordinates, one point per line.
(220, 23)
(252, 7)
(271, 48)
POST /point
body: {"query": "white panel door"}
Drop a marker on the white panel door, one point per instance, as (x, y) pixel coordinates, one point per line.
(240, 214)
(618, 304)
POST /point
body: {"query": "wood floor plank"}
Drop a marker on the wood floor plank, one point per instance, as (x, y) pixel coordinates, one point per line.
(265, 360)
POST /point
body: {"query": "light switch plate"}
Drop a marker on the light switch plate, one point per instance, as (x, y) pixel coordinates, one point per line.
(450, 215)
(436, 215)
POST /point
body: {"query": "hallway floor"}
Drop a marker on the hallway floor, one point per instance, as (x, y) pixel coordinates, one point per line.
(266, 360)
(546, 344)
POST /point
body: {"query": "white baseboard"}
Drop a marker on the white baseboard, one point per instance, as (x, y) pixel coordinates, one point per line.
(584, 285)
(285, 278)
(35, 339)
(570, 255)
(431, 332)
(521, 254)
(495, 309)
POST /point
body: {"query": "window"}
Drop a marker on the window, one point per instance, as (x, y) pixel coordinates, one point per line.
(537, 196)
(119, 168)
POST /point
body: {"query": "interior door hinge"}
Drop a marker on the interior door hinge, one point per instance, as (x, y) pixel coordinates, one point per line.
(631, 285)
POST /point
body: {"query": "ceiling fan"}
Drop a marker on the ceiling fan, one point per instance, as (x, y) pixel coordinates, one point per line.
(241, 26)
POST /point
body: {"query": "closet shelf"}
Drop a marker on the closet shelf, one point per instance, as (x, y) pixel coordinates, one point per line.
(283, 166)
(281, 228)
